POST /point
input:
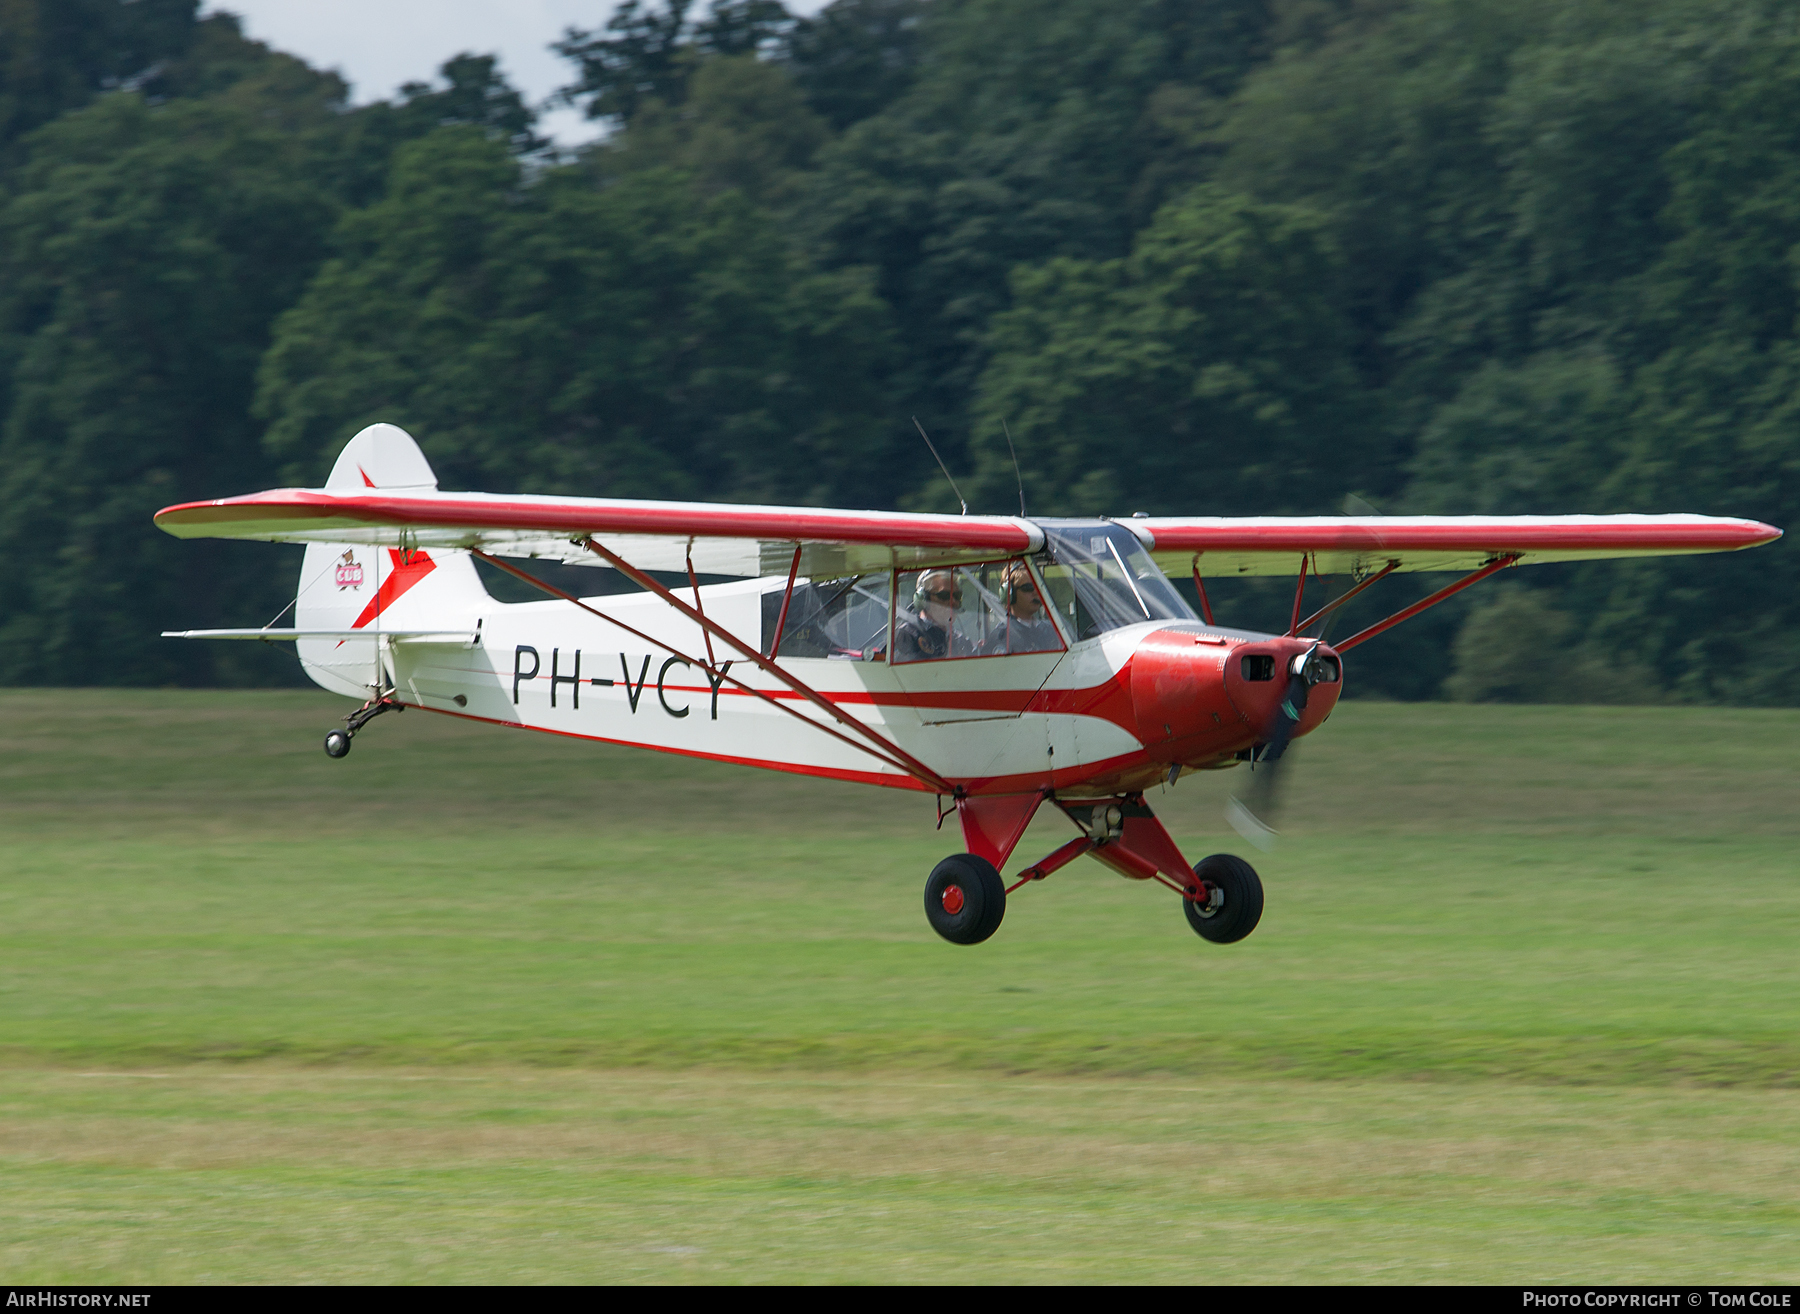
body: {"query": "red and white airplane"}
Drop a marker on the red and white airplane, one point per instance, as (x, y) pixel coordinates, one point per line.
(998, 662)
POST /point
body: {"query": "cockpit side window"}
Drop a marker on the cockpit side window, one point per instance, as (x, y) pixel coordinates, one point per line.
(1100, 578)
(992, 609)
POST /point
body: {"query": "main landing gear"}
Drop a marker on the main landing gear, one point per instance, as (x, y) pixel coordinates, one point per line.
(1233, 901)
(337, 742)
(965, 897)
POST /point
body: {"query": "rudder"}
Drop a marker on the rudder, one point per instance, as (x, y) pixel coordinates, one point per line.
(348, 586)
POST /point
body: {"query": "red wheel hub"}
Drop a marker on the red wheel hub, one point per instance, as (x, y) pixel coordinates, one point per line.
(953, 899)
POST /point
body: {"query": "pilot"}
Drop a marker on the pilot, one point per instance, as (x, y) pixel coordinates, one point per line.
(926, 630)
(1028, 625)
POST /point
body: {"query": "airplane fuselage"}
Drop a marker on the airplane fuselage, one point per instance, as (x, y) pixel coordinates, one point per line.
(1109, 714)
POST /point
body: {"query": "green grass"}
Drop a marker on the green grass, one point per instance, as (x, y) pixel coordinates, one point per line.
(473, 1005)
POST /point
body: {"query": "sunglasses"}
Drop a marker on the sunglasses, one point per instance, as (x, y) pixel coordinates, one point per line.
(941, 595)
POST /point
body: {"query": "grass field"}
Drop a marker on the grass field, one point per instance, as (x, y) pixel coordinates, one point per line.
(476, 1006)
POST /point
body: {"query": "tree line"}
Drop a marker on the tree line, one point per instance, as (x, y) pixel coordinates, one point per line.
(1190, 256)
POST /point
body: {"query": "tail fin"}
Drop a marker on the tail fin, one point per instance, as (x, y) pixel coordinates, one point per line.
(345, 586)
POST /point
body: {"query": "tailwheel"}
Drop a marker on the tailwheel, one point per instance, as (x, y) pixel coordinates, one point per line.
(337, 742)
(1232, 904)
(965, 899)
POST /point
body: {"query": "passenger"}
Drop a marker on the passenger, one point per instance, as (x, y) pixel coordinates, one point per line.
(926, 629)
(1028, 626)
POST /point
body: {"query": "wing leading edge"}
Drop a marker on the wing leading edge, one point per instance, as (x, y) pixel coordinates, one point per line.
(723, 539)
(727, 539)
(1355, 545)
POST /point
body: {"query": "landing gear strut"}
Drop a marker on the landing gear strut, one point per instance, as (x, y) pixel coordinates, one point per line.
(337, 742)
(965, 898)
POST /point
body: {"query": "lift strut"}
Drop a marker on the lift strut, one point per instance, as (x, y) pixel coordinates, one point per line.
(1498, 563)
(724, 675)
(897, 755)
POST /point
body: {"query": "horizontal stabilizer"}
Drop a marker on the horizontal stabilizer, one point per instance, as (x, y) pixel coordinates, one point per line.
(288, 636)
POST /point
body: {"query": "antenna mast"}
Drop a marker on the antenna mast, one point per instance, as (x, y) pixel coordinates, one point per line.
(1019, 478)
(941, 465)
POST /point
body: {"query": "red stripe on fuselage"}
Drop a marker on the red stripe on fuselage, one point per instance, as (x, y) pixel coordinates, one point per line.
(1110, 700)
(1062, 778)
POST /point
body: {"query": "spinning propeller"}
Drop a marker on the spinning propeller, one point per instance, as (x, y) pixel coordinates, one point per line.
(1253, 814)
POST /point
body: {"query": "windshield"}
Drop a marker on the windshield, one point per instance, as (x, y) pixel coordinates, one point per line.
(1100, 578)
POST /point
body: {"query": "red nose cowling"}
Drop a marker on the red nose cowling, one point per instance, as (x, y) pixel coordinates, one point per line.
(1197, 700)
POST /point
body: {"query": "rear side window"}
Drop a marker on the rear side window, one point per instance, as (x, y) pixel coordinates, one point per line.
(844, 618)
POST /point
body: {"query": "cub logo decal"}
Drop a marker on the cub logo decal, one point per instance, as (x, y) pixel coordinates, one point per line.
(349, 573)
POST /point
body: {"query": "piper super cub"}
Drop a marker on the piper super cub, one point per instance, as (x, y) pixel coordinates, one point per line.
(999, 662)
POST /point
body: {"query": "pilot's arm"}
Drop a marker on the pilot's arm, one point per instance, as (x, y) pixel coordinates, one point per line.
(916, 639)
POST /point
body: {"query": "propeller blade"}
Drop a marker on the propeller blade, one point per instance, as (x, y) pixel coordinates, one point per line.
(1246, 823)
(1253, 815)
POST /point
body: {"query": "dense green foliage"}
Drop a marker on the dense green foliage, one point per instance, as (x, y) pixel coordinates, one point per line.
(1230, 256)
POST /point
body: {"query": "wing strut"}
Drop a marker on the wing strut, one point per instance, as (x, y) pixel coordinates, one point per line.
(1498, 563)
(712, 661)
(1299, 594)
(897, 755)
(1344, 597)
(786, 599)
(1205, 603)
(898, 761)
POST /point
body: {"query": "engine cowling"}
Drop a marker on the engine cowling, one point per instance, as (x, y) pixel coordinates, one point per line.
(1179, 698)
(1259, 674)
(1197, 699)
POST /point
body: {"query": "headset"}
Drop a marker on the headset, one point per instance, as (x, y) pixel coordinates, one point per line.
(1009, 588)
(919, 599)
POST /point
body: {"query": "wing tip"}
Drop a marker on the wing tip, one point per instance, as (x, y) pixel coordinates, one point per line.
(171, 519)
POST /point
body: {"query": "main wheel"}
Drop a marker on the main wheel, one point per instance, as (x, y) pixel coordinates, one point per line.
(337, 743)
(965, 899)
(1238, 906)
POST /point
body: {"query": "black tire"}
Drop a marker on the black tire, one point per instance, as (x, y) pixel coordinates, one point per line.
(1243, 900)
(337, 743)
(973, 889)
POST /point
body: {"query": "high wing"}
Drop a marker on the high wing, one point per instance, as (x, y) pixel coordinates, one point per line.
(1356, 545)
(723, 539)
(751, 541)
